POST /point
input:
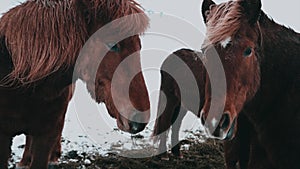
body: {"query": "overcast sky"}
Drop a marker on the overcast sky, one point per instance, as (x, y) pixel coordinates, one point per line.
(285, 12)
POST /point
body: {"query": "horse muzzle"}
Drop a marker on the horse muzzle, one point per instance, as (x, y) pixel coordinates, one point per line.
(224, 129)
(134, 124)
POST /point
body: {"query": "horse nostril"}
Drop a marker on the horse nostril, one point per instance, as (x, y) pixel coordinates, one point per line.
(136, 127)
(225, 121)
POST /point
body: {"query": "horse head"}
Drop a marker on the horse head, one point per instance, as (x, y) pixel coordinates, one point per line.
(112, 66)
(233, 35)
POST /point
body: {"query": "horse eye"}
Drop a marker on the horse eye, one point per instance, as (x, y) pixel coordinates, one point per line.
(114, 47)
(247, 52)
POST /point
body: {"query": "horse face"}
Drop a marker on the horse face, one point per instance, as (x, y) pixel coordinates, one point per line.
(120, 84)
(121, 79)
(110, 67)
(233, 35)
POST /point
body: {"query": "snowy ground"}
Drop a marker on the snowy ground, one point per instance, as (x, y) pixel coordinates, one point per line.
(89, 128)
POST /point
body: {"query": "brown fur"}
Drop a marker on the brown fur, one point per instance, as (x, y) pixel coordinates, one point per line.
(33, 60)
(39, 43)
(178, 102)
(263, 87)
(223, 21)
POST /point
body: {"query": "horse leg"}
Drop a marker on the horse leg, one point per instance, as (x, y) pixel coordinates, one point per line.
(5, 148)
(46, 150)
(56, 153)
(164, 122)
(175, 131)
(41, 149)
(44, 147)
(161, 129)
(163, 146)
(26, 158)
(166, 106)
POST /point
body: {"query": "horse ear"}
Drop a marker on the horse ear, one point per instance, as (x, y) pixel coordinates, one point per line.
(206, 8)
(252, 9)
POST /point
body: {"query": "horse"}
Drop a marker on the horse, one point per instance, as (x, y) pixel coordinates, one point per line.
(178, 100)
(40, 61)
(176, 108)
(261, 63)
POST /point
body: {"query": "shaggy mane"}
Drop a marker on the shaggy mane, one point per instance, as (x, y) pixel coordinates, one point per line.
(44, 36)
(224, 21)
(109, 10)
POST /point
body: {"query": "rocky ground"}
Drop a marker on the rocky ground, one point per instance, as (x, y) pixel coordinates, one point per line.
(196, 155)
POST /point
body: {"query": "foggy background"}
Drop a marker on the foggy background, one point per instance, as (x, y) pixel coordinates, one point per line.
(91, 122)
(285, 12)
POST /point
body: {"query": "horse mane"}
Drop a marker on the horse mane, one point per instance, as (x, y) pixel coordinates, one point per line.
(223, 21)
(44, 36)
(109, 10)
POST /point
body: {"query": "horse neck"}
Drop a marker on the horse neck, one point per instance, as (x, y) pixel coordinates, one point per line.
(279, 51)
(280, 46)
(279, 67)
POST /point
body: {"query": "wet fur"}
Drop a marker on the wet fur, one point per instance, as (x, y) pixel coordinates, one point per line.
(236, 150)
(176, 108)
(272, 111)
(39, 43)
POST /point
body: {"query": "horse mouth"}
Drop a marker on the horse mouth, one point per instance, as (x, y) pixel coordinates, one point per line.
(132, 127)
(129, 126)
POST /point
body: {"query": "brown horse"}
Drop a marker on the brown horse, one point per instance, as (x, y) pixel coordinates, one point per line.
(40, 41)
(261, 63)
(175, 109)
(177, 98)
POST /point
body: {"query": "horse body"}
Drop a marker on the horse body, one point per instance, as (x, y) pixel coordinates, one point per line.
(274, 111)
(261, 66)
(37, 111)
(23, 114)
(181, 99)
(236, 150)
(39, 45)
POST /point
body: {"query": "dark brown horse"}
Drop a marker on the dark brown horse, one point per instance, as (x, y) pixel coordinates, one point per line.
(175, 109)
(261, 63)
(171, 113)
(40, 41)
(177, 95)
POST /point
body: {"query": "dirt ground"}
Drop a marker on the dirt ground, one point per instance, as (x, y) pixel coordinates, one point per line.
(208, 155)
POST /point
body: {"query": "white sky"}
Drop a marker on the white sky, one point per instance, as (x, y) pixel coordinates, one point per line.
(285, 12)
